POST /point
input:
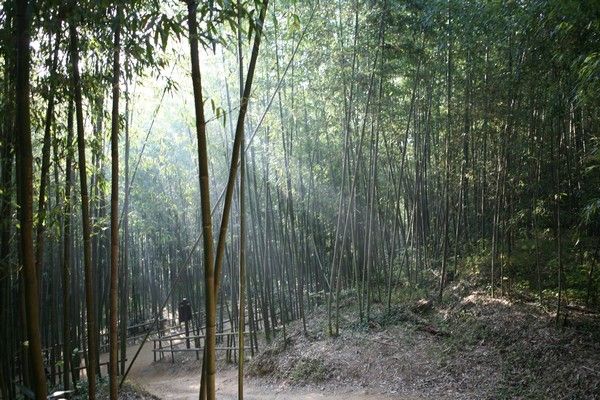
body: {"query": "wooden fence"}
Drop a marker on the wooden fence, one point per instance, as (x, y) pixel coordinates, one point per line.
(176, 341)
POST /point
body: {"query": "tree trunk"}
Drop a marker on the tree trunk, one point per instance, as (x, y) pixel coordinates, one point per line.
(92, 333)
(66, 293)
(24, 160)
(125, 262)
(209, 276)
(114, 213)
(446, 244)
(242, 260)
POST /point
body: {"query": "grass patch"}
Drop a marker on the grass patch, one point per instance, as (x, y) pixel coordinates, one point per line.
(310, 370)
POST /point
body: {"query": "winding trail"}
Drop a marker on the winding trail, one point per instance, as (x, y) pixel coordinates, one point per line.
(181, 381)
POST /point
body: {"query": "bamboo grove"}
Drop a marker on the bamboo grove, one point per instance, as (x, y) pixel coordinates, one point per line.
(265, 158)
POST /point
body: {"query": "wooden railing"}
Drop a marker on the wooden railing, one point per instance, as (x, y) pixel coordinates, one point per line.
(175, 341)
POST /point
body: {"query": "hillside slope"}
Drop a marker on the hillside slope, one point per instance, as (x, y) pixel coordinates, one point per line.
(475, 348)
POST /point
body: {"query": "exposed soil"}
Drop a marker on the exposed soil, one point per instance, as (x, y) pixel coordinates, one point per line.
(474, 348)
(181, 380)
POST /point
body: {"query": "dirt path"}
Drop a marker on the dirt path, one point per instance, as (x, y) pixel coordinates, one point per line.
(182, 380)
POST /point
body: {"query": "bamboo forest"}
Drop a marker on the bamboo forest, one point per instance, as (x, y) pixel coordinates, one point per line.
(299, 199)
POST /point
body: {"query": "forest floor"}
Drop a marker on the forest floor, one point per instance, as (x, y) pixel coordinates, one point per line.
(181, 380)
(471, 347)
(474, 347)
